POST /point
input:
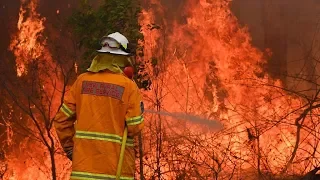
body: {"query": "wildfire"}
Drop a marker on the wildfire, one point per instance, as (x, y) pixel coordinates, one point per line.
(209, 67)
(28, 43)
(205, 65)
(31, 160)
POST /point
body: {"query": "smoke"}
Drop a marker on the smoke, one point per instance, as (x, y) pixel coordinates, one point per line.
(290, 29)
(175, 10)
(213, 125)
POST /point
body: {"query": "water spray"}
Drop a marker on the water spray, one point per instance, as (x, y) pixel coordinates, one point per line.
(212, 124)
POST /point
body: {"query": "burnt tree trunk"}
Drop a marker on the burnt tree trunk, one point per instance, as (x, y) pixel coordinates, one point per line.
(53, 164)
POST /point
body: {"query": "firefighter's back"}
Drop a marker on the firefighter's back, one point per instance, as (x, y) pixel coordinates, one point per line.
(102, 102)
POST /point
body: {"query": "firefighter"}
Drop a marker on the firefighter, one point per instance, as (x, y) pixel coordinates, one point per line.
(101, 106)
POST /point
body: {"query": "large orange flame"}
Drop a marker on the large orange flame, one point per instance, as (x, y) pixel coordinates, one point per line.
(28, 43)
(31, 159)
(209, 67)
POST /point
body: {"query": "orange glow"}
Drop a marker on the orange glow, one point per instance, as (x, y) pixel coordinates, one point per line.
(31, 160)
(26, 45)
(208, 67)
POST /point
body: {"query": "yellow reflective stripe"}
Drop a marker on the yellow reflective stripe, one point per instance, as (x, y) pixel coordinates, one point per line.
(94, 176)
(65, 109)
(103, 137)
(134, 120)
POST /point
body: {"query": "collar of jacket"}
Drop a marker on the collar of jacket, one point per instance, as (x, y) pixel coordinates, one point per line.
(107, 61)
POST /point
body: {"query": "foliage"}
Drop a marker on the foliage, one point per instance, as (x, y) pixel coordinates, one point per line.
(90, 24)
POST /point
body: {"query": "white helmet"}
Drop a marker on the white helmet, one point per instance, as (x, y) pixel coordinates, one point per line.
(114, 43)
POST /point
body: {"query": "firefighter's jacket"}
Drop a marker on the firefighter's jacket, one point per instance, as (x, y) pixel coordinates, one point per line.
(92, 120)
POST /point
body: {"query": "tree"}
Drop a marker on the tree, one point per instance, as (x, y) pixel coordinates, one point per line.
(254, 107)
(90, 24)
(33, 83)
(39, 94)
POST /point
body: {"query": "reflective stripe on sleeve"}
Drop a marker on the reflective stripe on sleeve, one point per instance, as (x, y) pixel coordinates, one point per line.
(66, 110)
(134, 120)
(93, 176)
(103, 137)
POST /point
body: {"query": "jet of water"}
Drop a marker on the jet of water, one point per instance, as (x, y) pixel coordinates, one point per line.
(212, 124)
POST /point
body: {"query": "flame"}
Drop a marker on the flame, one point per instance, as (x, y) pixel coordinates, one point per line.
(209, 67)
(28, 43)
(29, 46)
(76, 67)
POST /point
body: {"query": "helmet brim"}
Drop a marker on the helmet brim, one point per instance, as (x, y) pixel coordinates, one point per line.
(112, 51)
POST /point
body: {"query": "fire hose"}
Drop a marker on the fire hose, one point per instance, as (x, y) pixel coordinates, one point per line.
(123, 146)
